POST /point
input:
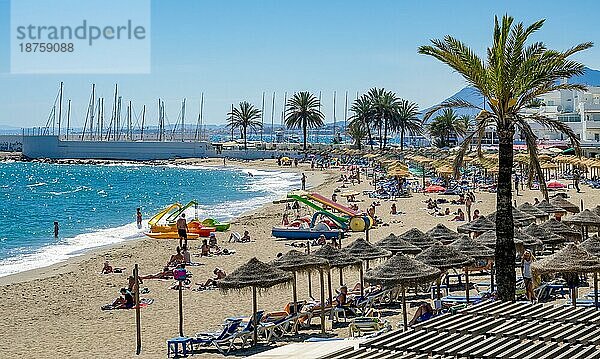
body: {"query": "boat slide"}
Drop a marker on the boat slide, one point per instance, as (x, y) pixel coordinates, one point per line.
(157, 217)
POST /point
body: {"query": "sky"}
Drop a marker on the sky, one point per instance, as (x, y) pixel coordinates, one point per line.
(234, 50)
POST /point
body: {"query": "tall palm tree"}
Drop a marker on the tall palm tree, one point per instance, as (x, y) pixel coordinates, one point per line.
(303, 111)
(509, 79)
(384, 105)
(445, 126)
(405, 120)
(357, 131)
(362, 116)
(245, 116)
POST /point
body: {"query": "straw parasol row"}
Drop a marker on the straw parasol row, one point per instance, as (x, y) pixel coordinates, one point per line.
(560, 202)
(520, 219)
(489, 238)
(442, 233)
(549, 208)
(544, 235)
(532, 210)
(256, 275)
(415, 237)
(592, 246)
(572, 259)
(401, 270)
(467, 246)
(584, 219)
(560, 228)
(365, 251)
(479, 225)
(396, 244)
(337, 259)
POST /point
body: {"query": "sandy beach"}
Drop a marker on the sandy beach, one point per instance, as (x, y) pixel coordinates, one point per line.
(54, 312)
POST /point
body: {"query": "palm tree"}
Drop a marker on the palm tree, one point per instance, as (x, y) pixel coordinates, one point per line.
(445, 126)
(405, 120)
(244, 117)
(363, 115)
(357, 131)
(509, 79)
(303, 111)
(384, 105)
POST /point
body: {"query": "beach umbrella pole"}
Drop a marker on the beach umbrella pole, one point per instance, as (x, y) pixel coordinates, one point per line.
(404, 309)
(492, 278)
(329, 285)
(439, 291)
(596, 290)
(467, 284)
(138, 325)
(322, 301)
(180, 287)
(309, 276)
(254, 316)
(295, 298)
(362, 281)
(341, 276)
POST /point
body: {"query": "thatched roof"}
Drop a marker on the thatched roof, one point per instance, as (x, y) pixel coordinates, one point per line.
(296, 261)
(364, 250)
(532, 210)
(549, 208)
(592, 245)
(395, 244)
(337, 258)
(560, 202)
(480, 225)
(585, 218)
(443, 257)
(520, 219)
(488, 239)
(467, 246)
(442, 233)
(544, 235)
(402, 270)
(560, 228)
(529, 241)
(571, 259)
(254, 274)
(596, 210)
(416, 237)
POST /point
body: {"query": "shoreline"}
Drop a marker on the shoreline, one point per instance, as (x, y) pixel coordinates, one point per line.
(65, 265)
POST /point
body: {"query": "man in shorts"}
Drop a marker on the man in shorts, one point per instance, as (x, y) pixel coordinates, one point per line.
(182, 229)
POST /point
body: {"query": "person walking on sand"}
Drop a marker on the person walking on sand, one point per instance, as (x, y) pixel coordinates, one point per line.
(182, 229)
(55, 229)
(576, 176)
(303, 182)
(138, 218)
(468, 204)
(526, 262)
(517, 180)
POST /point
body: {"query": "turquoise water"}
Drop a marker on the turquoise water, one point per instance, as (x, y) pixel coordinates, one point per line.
(95, 204)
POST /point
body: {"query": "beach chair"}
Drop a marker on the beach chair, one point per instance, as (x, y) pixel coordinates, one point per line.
(248, 330)
(360, 326)
(222, 341)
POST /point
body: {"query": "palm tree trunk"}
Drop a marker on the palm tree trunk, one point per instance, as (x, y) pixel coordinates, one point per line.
(304, 133)
(245, 143)
(370, 136)
(385, 130)
(505, 245)
(402, 139)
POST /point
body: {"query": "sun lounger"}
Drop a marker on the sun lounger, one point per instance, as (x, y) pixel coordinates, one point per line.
(247, 332)
(582, 302)
(222, 341)
(367, 325)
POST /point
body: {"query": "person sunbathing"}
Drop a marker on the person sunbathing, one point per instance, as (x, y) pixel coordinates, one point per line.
(125, 301)
(204, 249)
(212, 282)
(107, 269)
(246, 237)
(423, 313)
(165, 274)
(176, 259)
(187, 258)
(131, 282)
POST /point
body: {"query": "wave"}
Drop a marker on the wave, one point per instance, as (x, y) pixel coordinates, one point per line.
(38, 184)
(75, 190)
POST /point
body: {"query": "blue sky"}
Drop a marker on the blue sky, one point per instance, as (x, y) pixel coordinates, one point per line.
(233, 50)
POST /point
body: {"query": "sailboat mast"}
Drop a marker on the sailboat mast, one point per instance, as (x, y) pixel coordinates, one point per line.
(283, 114)
(262, 117)
(68, 117)
(129, 112)
(60, 97)
(345, 115)
(183, 120)
(272, 121)
(201, 116)
(143, 120)
(334, 119)
(93, 110)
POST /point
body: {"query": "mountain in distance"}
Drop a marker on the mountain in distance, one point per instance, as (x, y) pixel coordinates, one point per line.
(590, 77)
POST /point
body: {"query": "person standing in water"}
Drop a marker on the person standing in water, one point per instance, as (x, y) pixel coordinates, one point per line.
(182, 229)
(55, 229)
(138, 217)
(303, 182)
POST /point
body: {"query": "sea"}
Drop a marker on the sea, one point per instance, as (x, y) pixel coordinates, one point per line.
(95, 205)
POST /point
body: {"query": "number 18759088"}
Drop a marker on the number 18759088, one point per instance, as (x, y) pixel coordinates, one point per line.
(46, 47)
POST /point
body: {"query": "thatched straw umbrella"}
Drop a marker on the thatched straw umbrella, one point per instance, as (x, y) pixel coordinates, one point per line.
(528, 240)
(520, 219)
(403, 271)
(584, 220)
(571, 260)
(479, 225)
(365, 251)
(415, 237)
(596, 210)
(532, 210)
(559, 201)
(550, 209)
(543, 234)
(395, 244)
(443, 258)
(592, 246)
(467, 246)
(442, 233)
(254, 274)
(560, 228)
(489, 238)
(295, 261)
(337, 259)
